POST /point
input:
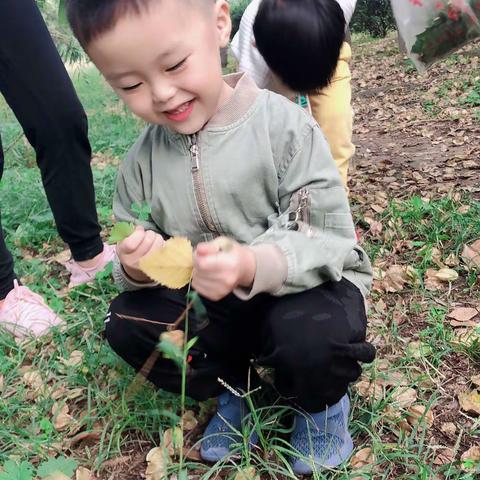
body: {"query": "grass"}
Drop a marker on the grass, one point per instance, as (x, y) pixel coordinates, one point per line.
(412, 333)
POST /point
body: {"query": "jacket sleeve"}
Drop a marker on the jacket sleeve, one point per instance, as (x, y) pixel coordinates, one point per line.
(312, 234)
(128, 192)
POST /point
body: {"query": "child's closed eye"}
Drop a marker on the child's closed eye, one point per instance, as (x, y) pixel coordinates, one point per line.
(132, 87)
(177, 66)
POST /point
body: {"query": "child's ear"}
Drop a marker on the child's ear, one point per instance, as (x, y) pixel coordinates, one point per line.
(224, 23)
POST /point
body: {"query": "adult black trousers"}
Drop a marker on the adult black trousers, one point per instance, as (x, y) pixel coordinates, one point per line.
(35, 84)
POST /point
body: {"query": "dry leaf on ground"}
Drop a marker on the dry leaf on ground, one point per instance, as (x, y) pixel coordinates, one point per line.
(449, 428)
(404, 397)
(397, 276)
(476, 380)
(75, 359)
(189, 421)
(447, 275)
(466, 337)
(418, 349)
(367, 389)
(470, 402)
(35, 384)
(419, 415)
(61, 417)
(57, 476)
(171, 265)
(471, 255)
(444, 456)
(461, 317)
(471, 459)
(432, 282)
(173, 441)
(157, 463)
(363, 458)
(452, 260)
(248, 473)
(83, 473)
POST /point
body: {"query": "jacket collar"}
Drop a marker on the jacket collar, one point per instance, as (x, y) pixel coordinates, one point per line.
(245, 92)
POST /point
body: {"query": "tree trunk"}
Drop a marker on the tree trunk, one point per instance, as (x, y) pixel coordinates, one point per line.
(401, 44)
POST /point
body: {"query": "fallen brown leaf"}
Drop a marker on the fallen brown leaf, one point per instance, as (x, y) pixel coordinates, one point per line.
(470, 402)
(83, 473)
(471, 459)
(444, 456)
(371, 390)
(471, 255)
(173, 441)
(189, 421)
(61, 417)
(248, 473)
(476, 380)
(75, 359)
(419, 415)
(463, 314)
(404, 397)
(449, 428)
(363, 458)
(157, 464)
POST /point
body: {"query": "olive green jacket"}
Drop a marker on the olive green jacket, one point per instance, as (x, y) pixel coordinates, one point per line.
(261, 172)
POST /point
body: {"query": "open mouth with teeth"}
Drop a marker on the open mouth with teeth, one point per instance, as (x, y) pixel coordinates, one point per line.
(180, 113)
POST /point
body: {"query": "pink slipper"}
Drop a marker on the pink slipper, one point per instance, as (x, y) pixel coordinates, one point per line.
(25, 313)
(80, 275)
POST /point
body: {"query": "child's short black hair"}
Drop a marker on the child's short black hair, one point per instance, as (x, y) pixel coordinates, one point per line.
(300, 40)
(90, 18)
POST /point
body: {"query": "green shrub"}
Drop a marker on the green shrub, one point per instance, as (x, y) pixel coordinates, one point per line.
(374, 17)
(237, 7)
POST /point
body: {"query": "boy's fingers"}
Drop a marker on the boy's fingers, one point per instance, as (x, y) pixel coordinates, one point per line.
(131, 243)
(157, 244)
(207, 248)
(146, 244)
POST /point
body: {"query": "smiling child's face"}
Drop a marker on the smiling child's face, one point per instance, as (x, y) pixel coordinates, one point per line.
(164, 62)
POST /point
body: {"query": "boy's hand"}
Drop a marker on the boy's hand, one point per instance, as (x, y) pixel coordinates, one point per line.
(217, 272)
(133, 248)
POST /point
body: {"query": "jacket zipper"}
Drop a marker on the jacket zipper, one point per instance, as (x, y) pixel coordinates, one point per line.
(199, 187)
(303, 209)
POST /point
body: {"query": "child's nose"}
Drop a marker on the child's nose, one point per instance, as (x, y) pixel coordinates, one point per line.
(162, 92)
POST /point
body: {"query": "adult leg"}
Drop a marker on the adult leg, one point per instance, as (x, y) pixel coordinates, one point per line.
(36, 85)
(7, 275)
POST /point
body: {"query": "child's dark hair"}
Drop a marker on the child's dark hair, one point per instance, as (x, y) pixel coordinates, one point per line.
(300, 40)
(90, 18)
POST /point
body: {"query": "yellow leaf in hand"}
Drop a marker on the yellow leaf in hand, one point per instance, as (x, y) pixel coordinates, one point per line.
(172, 265)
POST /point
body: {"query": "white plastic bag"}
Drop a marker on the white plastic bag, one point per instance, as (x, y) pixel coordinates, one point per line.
(432, 29)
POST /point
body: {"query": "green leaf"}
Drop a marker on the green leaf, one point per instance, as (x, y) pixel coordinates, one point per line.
(183, 475)
(67, 466)
(201, 317)
(14, 471)
(120, 232)
(142, 210)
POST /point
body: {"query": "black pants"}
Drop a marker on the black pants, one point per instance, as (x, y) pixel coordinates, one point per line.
(314, 340)
(35, 84)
